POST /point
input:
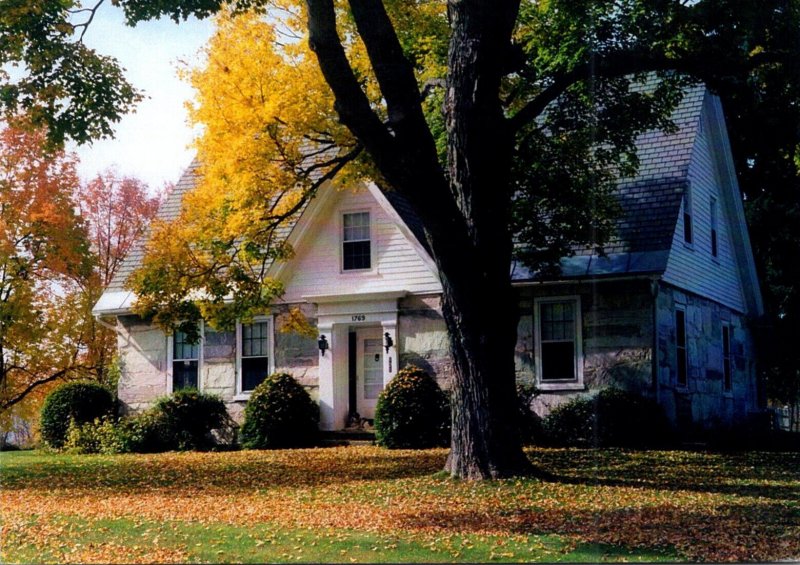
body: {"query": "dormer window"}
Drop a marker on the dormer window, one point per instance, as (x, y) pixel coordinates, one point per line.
(356, 243)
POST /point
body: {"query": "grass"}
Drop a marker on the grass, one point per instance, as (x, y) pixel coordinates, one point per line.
(365, 504)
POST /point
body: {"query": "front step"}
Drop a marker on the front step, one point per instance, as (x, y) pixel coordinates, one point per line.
(347, 437)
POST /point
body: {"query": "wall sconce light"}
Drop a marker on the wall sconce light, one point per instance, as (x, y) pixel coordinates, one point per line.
(388, 341)
(322, 343)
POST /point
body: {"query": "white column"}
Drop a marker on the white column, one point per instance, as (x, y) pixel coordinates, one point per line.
(326, 389)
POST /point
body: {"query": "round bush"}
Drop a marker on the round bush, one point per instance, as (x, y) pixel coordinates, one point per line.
(412, 412)
(613, 417)
(183, 421)
(77, 402)
(280, 414)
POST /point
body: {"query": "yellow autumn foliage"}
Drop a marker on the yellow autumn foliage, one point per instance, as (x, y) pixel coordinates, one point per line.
(270, 140)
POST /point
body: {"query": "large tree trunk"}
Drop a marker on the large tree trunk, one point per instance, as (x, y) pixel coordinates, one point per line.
(465, 210)
(479, 304)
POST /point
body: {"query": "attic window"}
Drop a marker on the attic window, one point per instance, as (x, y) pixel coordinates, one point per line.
(687, 217)
(714, 249)
(356, 243)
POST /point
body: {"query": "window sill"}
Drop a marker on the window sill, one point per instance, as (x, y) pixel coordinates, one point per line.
(555, 386)
(241, 397)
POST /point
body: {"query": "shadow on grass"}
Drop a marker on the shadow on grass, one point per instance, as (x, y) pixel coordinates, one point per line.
(756, 474)
(749, 532)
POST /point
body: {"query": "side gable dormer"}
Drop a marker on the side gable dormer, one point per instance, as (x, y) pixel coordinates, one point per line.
(710, 253)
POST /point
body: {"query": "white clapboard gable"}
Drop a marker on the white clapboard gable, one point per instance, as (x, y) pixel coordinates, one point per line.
(728, 278)
(399, 262)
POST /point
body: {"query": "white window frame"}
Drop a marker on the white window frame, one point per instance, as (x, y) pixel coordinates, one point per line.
(565, 384)
(170, 358)
(371, 240)
(242, 394)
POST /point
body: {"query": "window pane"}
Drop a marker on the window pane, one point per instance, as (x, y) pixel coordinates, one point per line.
(357, 255)
(254, 371)
(182, 348)
(255, 339)
(558, 361)
(680, 326)
(184, 374)
(558, 321)
(356, 226)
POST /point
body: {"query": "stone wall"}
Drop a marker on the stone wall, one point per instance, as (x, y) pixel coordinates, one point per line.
(703, 403)
(617, 333)
(297, 354)
(423, 337)
(143, 360)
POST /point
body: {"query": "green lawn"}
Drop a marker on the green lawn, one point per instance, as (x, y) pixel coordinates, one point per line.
(365, 504)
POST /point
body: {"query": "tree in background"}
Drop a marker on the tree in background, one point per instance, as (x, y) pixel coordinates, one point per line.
(44, 260)
(115, 210)
(496, 120)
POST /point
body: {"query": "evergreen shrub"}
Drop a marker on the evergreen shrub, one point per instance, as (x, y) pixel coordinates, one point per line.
(280, 414)
(412, 412)
(78, 402)
(182, 421)
(612, 417)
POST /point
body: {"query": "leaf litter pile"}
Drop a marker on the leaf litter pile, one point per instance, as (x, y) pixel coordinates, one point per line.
(693, 505)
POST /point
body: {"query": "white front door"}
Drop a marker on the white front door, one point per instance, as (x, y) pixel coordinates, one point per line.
(369, 370)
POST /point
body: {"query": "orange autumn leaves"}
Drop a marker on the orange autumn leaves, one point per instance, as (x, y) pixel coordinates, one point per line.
(706, 507)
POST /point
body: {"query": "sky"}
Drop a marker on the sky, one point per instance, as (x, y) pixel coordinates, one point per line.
(153, 143)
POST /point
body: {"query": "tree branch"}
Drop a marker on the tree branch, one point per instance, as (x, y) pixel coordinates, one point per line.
(393, 71)
(352, 103)
(621, 64)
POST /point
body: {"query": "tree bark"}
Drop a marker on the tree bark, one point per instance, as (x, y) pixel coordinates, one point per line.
(465, 210)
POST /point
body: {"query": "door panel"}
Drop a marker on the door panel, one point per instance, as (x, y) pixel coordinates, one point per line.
(369, 371)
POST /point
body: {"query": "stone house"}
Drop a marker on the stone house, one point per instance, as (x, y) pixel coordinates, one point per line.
(667, 310)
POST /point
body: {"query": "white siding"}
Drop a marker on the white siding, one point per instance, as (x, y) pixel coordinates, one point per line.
(692, 267)
(316, 266)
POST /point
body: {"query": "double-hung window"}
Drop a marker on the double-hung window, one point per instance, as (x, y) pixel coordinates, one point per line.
(255, 354)
(681, 353)
(185, 361)
(727, 374)
(356, 242)
(558, 343)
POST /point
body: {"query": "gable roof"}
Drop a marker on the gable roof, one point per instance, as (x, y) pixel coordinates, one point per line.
(649, 202)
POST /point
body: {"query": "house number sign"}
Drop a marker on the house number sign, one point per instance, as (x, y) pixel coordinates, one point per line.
(359, 317)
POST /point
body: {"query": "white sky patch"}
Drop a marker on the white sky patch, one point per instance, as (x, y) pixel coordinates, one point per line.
(152, 143)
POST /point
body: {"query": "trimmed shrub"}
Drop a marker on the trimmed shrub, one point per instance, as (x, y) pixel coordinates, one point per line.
(280, 414)
(78, 402)
(99, 436)
(182, 421)
(613, 417)
(412, 412)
